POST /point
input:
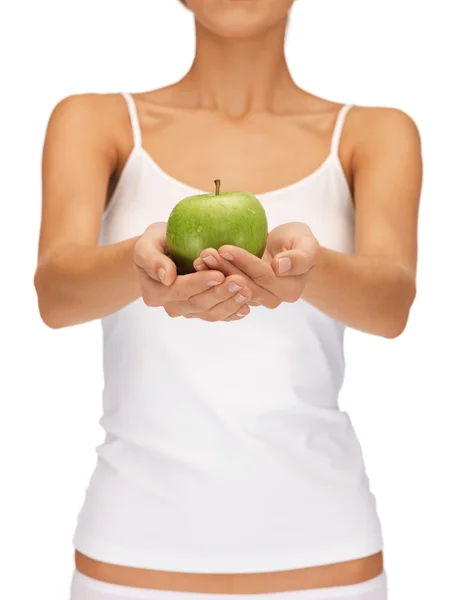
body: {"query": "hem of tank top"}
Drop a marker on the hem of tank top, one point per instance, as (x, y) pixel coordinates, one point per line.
(196, 191)
(126, 557)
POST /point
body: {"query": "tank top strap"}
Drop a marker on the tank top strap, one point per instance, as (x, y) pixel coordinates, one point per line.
(340, 121)
(135, 125)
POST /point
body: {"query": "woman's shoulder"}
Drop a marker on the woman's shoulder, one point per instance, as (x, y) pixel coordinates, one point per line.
(93, 107)
(92, 120)
(369, 123)
(371, 129)
(374, 133)
(102, 116)
(375, 116)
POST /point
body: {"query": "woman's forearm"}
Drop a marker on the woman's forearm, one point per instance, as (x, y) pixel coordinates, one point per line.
(76, 284)
(370, 294)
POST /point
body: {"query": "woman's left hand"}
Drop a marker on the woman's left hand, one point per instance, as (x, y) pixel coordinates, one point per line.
(280, 275)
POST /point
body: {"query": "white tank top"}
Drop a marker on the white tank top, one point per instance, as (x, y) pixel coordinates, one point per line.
(225, 449)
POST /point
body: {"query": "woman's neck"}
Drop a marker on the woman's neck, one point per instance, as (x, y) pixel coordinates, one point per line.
(237, 77)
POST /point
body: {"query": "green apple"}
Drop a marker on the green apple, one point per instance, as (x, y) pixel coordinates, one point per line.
(212, 221)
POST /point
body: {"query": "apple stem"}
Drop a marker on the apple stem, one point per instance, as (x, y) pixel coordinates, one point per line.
(217, 182)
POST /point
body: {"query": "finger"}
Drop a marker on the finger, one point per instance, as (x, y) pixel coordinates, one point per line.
(262, 273)
(150, 255)
(256, 277)
(292, 263)
(241, 313)
(258, 270)
(199, 265)
(153, 292)
(284, 237)
(193, 284)
(229, 308)
(231, 288)
(294, 249)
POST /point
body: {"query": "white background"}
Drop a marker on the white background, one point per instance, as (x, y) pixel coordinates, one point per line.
(381, 52)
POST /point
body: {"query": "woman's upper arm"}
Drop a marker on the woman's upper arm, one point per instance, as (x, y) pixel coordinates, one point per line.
(78, 160)
(387, 182)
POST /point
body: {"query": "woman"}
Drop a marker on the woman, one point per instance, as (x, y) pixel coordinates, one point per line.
(227, 467)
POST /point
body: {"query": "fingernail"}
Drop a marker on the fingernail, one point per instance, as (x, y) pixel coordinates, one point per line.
(308, 244)
(161, 274)
(234, 287)
(213, 283)
(241, 315)
(227, 256)
(284, 265)
(240, 298)
(210, 261)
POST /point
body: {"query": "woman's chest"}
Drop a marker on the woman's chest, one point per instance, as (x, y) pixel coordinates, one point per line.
(261, 154)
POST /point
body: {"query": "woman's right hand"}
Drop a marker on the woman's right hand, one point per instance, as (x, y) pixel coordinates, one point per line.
(206, 295)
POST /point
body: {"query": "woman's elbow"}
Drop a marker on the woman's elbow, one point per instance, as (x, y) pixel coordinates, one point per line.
(394, 323)
(393, 328)
(51, 319)
(49, 309)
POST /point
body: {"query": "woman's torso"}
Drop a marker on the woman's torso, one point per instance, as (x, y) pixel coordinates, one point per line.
(225, 449)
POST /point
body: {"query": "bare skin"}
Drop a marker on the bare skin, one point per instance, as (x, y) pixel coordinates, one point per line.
(244, 120)
(348, 573)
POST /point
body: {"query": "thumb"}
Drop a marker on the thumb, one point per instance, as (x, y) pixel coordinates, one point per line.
(300, 259)
(150, 255)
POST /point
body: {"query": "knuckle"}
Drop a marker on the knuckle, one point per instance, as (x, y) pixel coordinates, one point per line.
(149, 300)
(291, 296)
(171, 311)
(273, 303)
(267, 300)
